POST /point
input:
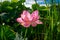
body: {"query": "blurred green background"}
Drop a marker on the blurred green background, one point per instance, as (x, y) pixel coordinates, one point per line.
(11, 30)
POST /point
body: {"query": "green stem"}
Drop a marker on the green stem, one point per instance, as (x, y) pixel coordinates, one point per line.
(25, 34)
(52, 22)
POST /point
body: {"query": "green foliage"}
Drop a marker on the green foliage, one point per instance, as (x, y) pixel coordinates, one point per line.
(6, 33)
(10, 29)
(14, 0)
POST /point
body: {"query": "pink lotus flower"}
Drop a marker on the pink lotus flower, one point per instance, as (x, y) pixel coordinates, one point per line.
(28, 19)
